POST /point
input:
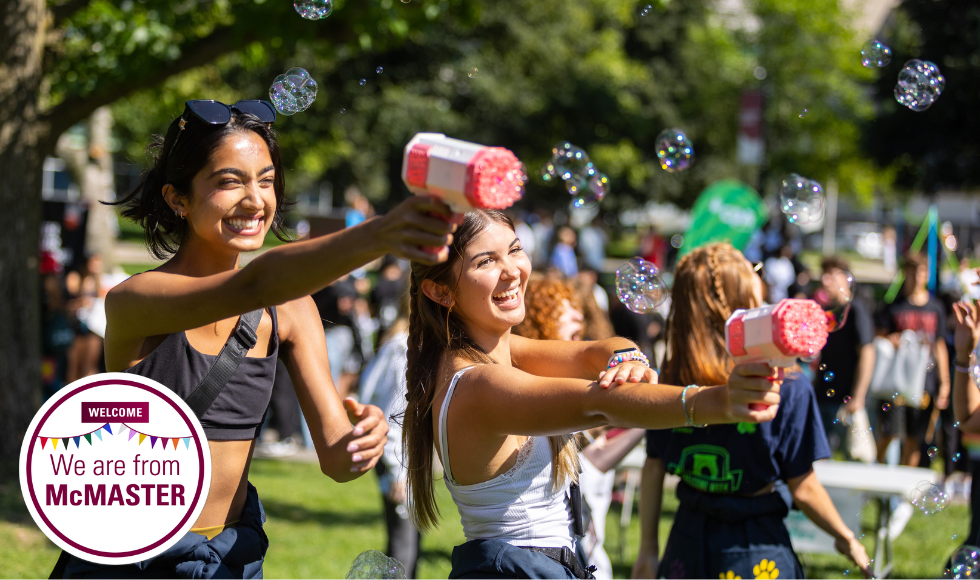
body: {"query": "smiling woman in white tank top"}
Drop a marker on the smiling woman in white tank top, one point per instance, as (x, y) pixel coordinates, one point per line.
(499, 409)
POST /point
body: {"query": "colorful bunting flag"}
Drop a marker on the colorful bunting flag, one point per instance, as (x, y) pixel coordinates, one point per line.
(142, 437)
(187, 442)
(43, 441)
(88, 437)
(54, 443)
(131, 433)
(108, 429)
(98, 433)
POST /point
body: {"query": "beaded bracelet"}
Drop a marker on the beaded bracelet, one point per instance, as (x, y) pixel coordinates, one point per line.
(688, 417)
(962, 369)
(628, 354)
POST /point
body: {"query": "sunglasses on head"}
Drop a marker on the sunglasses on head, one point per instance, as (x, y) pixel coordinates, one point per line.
(215, 113)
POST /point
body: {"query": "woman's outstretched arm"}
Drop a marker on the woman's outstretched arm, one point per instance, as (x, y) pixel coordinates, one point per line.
(158, 303)
(498, 400)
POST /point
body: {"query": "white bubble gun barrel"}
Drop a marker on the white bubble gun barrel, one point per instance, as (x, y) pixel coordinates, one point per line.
(777, 334)
(465, 175)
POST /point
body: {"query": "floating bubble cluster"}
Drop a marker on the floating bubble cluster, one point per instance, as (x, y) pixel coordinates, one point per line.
(374, 564)
(929, 498)
(293, 91)
(584, 182)
(919, 84)
(639, 286)
(313, 9)
(965, 562)
(674, 150)
(875, 54)
(801, 199)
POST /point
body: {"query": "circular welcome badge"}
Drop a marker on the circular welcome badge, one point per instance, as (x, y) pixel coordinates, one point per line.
(115, 468)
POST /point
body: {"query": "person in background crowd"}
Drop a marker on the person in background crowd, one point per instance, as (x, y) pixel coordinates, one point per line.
(923, 314)
(949, 439)
(738, 482)
(383, 384)
(387, 294)
(335, 304)
(57, 334)
(85, 304)
(526, 234)
(563, 254)
(358, 207)
(553, 312)
(543, 228)
(780, 273)
(847, 361)
(588, 280)
(284, 437)
(597, 324)
(966, 402)
(592, 240)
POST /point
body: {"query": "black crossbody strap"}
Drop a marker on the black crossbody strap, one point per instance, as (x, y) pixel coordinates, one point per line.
(241, 341)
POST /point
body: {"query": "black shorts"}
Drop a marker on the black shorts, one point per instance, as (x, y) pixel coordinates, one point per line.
(900, 420)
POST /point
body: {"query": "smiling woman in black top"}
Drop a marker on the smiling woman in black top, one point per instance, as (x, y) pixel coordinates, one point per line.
(215, 190)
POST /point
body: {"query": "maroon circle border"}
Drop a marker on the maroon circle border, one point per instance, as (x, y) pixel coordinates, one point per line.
(76, 545)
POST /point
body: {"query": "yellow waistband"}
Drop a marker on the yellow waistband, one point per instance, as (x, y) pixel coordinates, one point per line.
(213, 531)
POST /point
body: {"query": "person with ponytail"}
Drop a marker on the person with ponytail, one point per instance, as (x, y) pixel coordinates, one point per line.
(738, 482)
(216, 188)
(499, 409)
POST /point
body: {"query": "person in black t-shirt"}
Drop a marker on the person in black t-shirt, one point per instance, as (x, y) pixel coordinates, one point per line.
(847, 362)
(920, 312)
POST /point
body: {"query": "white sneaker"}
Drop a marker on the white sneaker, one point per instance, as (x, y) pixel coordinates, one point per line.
(900, 518)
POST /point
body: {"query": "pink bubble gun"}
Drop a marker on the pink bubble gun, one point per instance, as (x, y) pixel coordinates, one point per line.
(777, 334)
(465, 175)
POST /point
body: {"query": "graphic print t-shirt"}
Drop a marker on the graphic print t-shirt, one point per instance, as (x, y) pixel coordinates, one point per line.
(743, 458)
(928, 321)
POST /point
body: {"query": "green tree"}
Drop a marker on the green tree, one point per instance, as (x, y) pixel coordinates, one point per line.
(61, 60)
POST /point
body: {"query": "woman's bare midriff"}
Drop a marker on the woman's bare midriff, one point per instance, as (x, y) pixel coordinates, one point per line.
(230, 461)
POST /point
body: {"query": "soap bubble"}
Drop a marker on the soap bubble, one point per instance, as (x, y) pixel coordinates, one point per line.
(549, 171)
(974, 369)
(569, 160)
(362, 82)
(374, 564)
(965, 562)
(674, 150)
(801, 199)
(804, 113)
(343, 111)
(379, 70)
(834, 295)
(828, 376)
(313, 9)
(919, 84)
(599, 184)
(932, 452)
(956, 424)
(847, 400)
(956, 456)
(647, 10)
(830, 392)
(823, 367)
(473, 73)
(885, 406)
(875, 54)
(293, 91)
(929, 498)
(639, 286)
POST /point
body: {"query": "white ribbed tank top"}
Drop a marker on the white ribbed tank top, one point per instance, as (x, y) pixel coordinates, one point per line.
(519, 506)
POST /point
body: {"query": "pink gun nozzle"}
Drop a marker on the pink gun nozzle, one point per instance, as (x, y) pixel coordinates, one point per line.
(465, 175)
(777, 334)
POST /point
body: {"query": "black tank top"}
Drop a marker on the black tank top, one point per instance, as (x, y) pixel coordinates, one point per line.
(239, 410)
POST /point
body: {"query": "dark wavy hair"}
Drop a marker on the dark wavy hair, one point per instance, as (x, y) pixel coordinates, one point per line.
(144, 204)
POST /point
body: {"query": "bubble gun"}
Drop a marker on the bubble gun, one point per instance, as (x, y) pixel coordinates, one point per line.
(465, 175)
(776, 334)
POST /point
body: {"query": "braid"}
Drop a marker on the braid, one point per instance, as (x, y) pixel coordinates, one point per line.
(712, 260)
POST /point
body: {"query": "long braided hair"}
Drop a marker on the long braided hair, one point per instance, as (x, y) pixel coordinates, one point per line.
(434, 329)
(709, 284)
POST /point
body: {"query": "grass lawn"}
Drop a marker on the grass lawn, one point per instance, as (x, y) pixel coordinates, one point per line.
(317, 527)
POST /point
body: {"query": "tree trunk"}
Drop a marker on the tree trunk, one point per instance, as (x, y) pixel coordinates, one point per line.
(23, 143)
(92, 168)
